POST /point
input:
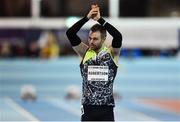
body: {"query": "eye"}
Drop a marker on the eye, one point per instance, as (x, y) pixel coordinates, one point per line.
(95, 39)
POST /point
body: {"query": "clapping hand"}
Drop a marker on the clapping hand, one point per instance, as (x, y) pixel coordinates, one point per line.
(94, 13)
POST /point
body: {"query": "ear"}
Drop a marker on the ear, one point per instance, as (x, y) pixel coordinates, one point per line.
(104, 37)
(103, 40)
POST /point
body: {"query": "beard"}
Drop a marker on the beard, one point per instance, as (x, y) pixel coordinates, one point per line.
(95, 47)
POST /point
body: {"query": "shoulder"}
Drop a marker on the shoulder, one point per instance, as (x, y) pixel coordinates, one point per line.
(114, 52)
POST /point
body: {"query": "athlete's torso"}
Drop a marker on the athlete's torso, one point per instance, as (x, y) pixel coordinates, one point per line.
(98, 72)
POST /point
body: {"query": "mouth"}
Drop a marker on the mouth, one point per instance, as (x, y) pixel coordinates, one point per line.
(92, 46)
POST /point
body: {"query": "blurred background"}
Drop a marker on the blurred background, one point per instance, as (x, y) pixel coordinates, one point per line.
(39, 71)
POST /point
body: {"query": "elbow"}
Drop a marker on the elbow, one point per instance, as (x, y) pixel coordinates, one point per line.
(73, 38)
(119, 36)
(68, 33)
(117, 42)
(71, 33)
(116, 35)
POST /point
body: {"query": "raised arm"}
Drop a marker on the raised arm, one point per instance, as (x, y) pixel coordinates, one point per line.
(74, 39)
(116, 41)
(117, 37)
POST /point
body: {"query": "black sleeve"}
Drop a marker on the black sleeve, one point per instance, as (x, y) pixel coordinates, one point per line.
(117, 36)
(72, 32)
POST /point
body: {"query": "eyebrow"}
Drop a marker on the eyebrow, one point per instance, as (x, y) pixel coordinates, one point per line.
(93, 37)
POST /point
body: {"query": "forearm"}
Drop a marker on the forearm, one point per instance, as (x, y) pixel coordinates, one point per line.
(72, 32)
(117, 37)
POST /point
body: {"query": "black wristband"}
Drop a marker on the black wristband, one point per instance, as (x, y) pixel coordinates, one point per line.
(101, 21)
(85, 18)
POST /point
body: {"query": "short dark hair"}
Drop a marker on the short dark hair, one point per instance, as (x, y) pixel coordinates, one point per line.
(100, 28)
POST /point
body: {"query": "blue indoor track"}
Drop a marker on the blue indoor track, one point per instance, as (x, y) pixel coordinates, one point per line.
(149, 78)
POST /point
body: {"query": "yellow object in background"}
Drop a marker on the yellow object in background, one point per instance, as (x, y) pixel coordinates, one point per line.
(51, 48)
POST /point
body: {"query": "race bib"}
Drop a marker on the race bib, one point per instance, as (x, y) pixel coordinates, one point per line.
(98, 73)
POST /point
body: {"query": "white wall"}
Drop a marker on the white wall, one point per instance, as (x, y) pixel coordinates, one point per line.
(146, 33)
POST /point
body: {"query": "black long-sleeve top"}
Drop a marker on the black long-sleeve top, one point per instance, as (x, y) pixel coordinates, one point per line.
(75, 40)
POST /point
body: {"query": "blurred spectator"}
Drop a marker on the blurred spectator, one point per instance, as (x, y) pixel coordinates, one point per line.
(5, 51)
(33, 49)
(19, 48)
(49, 46)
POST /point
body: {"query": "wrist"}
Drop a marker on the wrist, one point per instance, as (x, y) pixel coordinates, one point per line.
(86, 18)
(101, 21)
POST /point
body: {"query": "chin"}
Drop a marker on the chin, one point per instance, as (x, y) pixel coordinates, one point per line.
(94, 48)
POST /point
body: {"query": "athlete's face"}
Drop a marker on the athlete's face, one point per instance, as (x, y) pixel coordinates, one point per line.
(95, 40)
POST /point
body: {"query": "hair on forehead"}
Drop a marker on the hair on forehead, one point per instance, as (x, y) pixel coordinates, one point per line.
(100, 28)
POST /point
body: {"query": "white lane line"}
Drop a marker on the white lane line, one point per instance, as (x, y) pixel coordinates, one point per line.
(63, 105)
(20, 110)
(133, 115)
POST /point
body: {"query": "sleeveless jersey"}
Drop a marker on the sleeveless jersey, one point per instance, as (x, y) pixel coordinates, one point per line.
(98, 72)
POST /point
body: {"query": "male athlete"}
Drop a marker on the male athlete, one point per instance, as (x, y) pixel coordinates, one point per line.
(98, 66)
